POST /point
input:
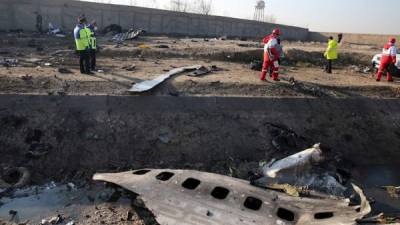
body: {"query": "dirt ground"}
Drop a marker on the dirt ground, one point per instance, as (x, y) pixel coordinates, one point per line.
(49, 66)
(40, 58)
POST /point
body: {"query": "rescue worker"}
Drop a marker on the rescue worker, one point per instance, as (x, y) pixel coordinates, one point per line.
(93, 44)
(331, 52)
(82, 35)
(271, 55)
(389, 53)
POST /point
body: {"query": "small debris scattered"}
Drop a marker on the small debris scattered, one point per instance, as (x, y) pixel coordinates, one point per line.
(164, 138)
(32, 60)
(64, 70)
(200, 72)
(55, 31)
(215, 68)
(359, 69)
(162, 46)
(9, 62)
(26, 77)
(129, 68)
(393, 191)
(256, 65)
(53, 220)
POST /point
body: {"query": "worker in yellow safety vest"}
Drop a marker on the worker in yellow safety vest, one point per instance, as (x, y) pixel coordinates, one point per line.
(82, 35)
(331, 53)
(93, 44)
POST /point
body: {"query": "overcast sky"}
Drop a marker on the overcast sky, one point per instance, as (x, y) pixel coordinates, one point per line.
(352, 16)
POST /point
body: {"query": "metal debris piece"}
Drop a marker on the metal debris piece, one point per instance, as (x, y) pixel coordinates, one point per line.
(182, 197)
(55, 31)
(149, 84)
(365, 207)
(200, 72)
(287, 188)
(301, 159)
(9, 62)
(130, 35)
(298, 171)
(129, 68)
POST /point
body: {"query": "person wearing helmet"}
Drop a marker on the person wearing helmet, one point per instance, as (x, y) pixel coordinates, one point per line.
(331, 53)
(82, 35)
(389, 53)
(271, 55)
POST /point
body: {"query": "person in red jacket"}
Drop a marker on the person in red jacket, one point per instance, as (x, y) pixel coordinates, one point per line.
(271, 55)
(388, 58)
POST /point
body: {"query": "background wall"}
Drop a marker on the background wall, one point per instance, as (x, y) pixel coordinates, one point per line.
(367, 39)
(19, 14)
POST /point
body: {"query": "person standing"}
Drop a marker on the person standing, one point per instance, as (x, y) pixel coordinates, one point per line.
(39, 22)
(82, 35)
(388, 58)
(271, 55)
(93, 44)
(331, 53)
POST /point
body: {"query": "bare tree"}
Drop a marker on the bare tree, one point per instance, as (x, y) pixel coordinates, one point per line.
(179, 5)
(205, 7)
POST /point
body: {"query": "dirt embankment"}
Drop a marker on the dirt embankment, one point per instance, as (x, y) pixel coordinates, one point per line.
(58, 136)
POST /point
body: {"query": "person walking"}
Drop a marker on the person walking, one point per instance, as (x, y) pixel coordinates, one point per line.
(388, 59)
(82, 35)
(331, 53)
(271, 55)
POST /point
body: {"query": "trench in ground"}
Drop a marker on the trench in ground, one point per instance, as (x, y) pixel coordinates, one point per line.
(81, 135)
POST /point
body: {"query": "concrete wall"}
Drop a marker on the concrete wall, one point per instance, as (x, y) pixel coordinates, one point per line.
(367, 39)
(20, 14)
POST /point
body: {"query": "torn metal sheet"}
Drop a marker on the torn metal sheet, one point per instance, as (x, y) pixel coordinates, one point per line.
(184, 197)
(130, 35)
(301, 159)
(297, 170)
(149, 84)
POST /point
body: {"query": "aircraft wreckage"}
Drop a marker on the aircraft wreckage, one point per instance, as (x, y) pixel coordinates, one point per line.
(184, 197)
